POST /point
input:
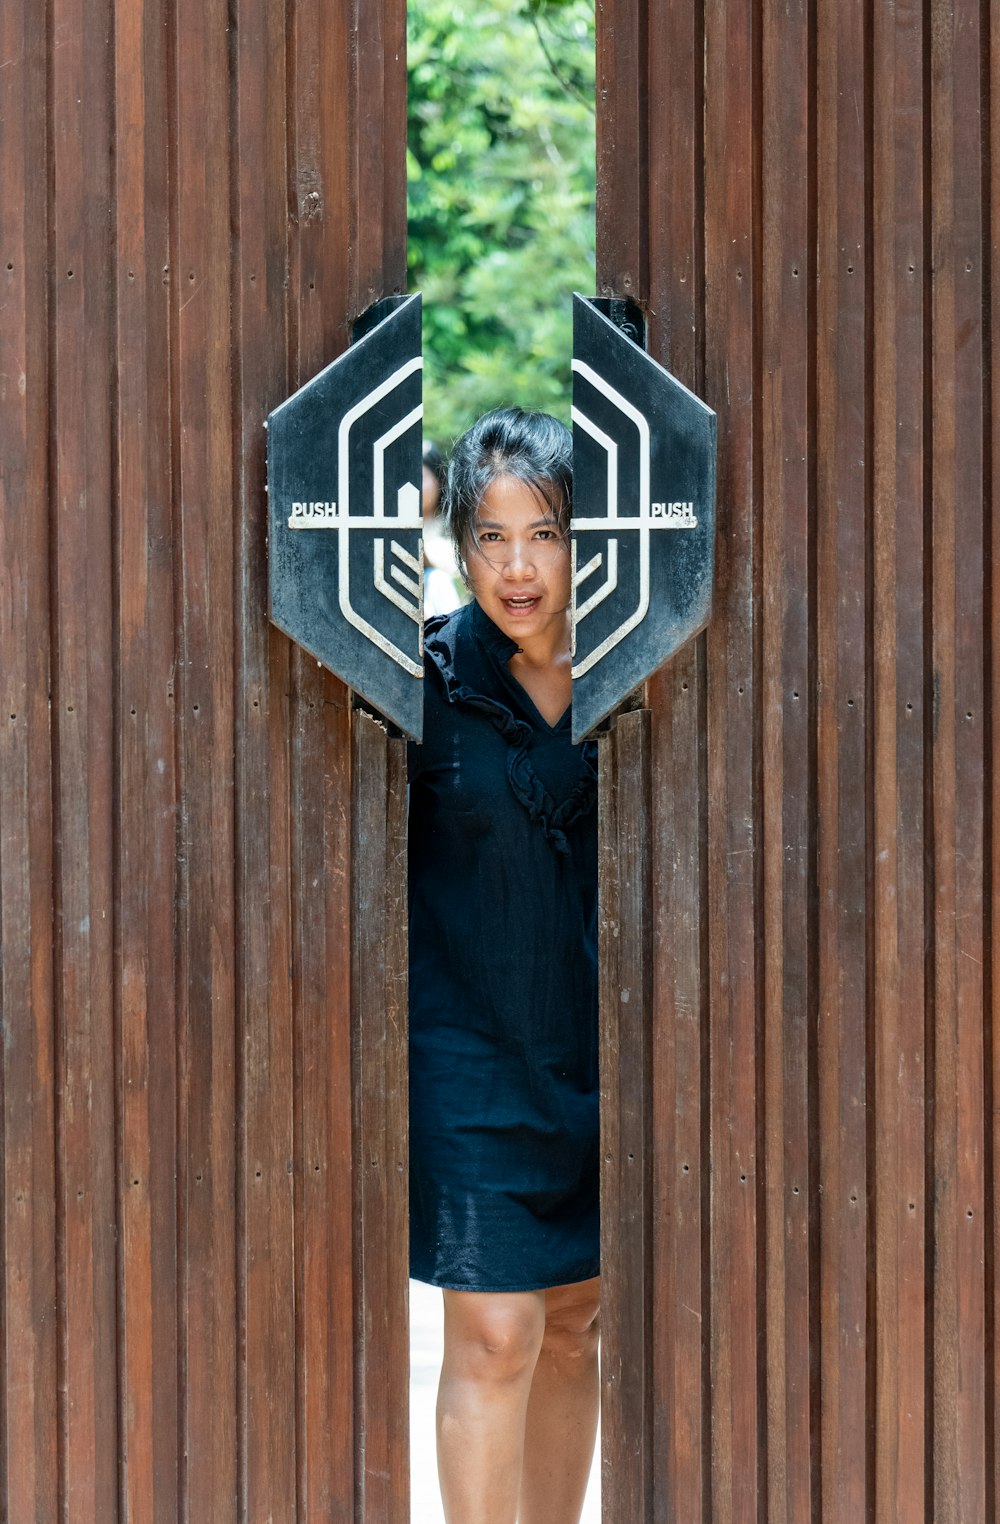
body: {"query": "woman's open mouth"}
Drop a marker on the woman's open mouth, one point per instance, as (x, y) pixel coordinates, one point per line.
(521, 603)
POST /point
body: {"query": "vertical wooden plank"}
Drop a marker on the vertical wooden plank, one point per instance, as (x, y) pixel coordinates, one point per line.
(83, 691)
(958, 758)
(626, 987)
(28, 1335)
(680, 1337)
(681, 1340)
(379, 1027)
(901, 719)
(732, 280)
(265, 1184)
(378, 979)
(321, 261)
(842, 635)
(321, 120)
(622, 138)
(324, 1209)
(379, 205)
(202, 442)
(992, 460)
(787, 842)
(147, 797)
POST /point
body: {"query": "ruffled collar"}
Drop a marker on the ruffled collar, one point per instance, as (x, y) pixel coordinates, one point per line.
(471, 655)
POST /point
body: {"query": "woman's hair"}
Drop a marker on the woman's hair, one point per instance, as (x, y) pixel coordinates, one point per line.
(534, 447)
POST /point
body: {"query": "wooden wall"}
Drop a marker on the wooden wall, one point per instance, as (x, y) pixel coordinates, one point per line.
(806, 196)
(196, 198)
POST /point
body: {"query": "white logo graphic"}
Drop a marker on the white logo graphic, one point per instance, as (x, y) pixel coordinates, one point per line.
(679, 515)
(403, 586)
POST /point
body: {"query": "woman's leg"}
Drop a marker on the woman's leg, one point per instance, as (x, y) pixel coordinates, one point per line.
(491, 1345)
(563, 1408)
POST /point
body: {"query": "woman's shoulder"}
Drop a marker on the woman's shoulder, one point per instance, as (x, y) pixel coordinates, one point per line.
(452, 659)
(461, 681)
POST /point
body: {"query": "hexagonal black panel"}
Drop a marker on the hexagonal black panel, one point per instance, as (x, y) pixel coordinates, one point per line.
(343, 470)
(644, 451)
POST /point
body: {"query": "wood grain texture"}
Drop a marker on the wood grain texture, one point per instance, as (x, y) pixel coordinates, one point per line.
(958, 593)
(204, 706)
(991, 274)
(788, 843)
(29, 1335)
(265, 1159)
(681, 1333)
(837, 162)
(379, 1085)
(843, 759)
(324, 1148)
(195, 202)
(83, 689)
(901, 719)
(622, 141)
(378, 100)
(626, 984)
(178, 1301)
(146, 856)
(733, 758)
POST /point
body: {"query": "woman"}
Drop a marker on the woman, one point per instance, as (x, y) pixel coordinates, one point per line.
(503, 996)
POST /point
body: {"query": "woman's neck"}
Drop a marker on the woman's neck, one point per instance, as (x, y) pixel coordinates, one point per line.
(549, 648)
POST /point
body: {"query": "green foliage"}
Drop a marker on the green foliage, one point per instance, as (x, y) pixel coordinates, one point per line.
(501, 187)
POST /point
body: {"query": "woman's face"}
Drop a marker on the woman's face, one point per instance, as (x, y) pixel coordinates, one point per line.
(519, 563)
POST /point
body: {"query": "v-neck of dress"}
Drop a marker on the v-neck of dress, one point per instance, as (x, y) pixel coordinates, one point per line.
(501, 648)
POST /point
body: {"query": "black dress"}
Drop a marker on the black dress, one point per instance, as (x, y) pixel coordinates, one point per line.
(503, 978)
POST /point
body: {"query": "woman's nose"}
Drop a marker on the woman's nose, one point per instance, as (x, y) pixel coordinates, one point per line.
(519, 561)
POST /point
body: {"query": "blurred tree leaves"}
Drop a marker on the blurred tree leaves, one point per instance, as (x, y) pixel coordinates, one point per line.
(501, 199)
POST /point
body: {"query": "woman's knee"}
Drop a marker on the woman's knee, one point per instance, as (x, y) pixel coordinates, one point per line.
(572, 1321)
(491, 1336)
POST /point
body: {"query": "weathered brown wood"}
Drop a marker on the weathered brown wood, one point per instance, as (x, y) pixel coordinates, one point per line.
(901, 718)
(379, 1063)
(82, 712)
(82, 705)
(378, 961)
(379, 138)
(843, 779)
(678, 910)
(733, 821)
(787, 404)
(225, 185)
(320, 303)
(678, 1124)
(204, 705)
(324, 1270)
(146, 780)
(265, 1158)
(992, 988)
(149, 1379)
(622, 136)
(626, 986)
(957, 539)
(29, 1336)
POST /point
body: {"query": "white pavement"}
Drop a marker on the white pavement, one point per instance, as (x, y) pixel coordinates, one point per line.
(425, 1363)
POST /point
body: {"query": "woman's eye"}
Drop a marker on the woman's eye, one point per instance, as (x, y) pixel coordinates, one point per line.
(489, 537)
